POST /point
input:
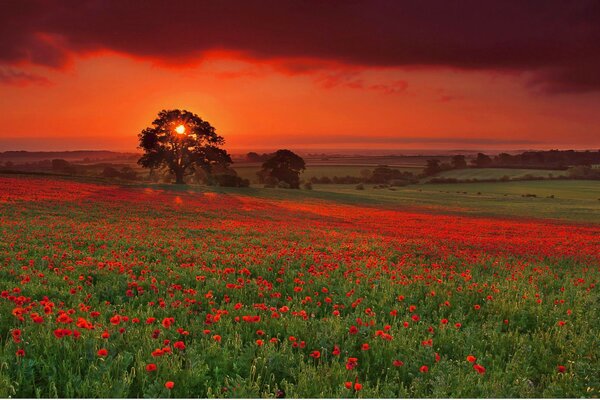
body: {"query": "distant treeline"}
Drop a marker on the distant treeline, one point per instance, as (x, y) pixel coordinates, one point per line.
(380, 175)
(551, 159)
(579, 164)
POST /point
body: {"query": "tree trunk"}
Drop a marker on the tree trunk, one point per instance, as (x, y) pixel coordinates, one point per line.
(179, 177)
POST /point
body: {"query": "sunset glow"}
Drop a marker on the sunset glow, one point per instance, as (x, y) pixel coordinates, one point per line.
(401, 78)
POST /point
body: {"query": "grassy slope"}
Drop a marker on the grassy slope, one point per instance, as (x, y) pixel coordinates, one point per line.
(573, 200)
(497, 173)
(249, 171)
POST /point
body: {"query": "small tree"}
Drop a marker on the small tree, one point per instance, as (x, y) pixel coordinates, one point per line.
(180, 141)
(482, 160)
(433, 167)
(285, 166)
(459, 161)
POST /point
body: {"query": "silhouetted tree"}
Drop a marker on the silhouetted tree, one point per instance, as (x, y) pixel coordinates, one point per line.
(459, 161)
(180, 141)
(482, 160)
(60, 165)
(285, 166)
(433, 167)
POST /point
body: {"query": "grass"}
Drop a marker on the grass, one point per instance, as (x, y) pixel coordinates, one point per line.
(248, 171)
(497, 173)
(574, 200)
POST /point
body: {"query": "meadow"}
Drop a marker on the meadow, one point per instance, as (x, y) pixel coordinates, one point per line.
(462, 290)
(499, 173)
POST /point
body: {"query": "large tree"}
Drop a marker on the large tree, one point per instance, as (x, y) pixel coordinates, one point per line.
(284, 166)
(179, 141)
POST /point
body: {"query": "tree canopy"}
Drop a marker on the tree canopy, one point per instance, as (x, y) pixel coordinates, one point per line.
(284, 166)
(180, 142)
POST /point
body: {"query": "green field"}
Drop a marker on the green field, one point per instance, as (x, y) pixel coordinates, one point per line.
(248, 171)
(497, 173)
(574, 200)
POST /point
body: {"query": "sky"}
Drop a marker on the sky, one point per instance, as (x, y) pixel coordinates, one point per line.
(321, 74)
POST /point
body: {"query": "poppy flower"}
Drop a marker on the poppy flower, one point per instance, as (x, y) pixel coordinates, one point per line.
(471, 359)
(561, 369)
(151, 367)
(348, 385)
(365, 346)
(20, 353)
(357, 386)
(398, 363)
(315, 354)
(479, 368)
(169, 385)
(353, 330)
(424, 369)
(179, 345)
(102, 353)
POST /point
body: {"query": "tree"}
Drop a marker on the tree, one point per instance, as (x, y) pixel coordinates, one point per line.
(180, 141)
(482, 161)
(433, 167)
(284, 166)
(459, 161)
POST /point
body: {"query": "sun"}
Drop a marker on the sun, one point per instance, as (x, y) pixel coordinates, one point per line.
(180, 129)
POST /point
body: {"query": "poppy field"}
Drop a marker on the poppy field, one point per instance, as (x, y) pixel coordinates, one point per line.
(116, 291)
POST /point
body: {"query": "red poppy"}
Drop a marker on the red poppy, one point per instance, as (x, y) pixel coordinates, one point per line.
(561, 369)
(20, 353)
(424, 369)
(398, 363)
(315, 354)
(357, 386)
(179, 345)
(471, 359)
(102, 353)
(151, 367)
(169, 385)
(365, 346)
(348, 385)
(479, 368)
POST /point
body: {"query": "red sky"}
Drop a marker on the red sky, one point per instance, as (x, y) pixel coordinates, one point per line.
(303, 74)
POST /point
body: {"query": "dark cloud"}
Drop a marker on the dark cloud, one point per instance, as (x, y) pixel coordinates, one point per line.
(557, 40)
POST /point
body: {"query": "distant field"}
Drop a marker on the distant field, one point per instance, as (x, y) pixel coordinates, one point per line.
(573, 200)
(497, 173)
(248, 171)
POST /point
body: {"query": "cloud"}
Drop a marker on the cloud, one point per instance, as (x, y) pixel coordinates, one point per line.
(394, 140)
(10, 76)
(559, 41)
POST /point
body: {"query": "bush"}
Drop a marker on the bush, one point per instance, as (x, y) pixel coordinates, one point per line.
(360, 186)
(308, 186)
